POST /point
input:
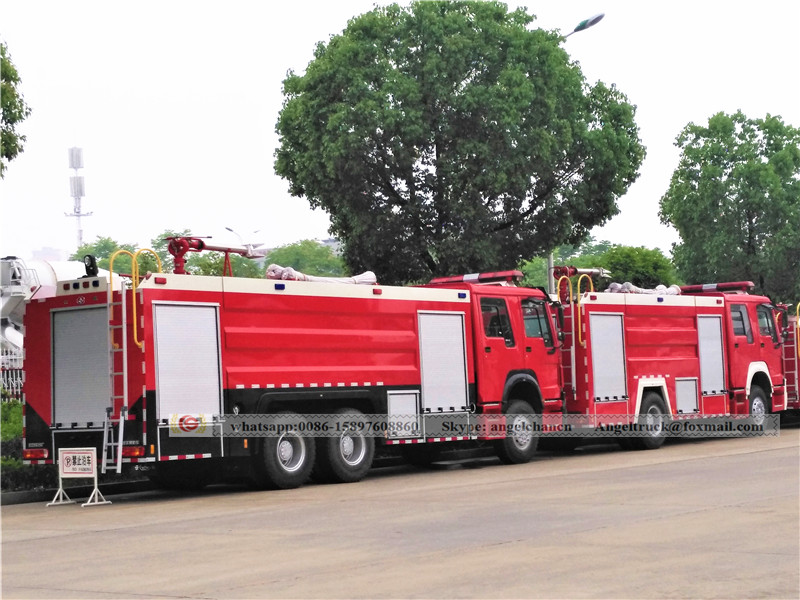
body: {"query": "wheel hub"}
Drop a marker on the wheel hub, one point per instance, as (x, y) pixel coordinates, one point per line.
(521, 432)
(285, 451)
(347, 446)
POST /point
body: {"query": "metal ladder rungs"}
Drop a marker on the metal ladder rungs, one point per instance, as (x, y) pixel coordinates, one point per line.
(109, 443)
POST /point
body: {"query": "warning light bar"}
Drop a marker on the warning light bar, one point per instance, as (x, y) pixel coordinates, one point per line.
(729, 286)
(494, 277)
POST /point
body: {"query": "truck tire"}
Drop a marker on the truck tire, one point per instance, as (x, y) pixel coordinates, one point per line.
(653, 416)
(347, 457)
(285, 461)
(758, 404)
(519, 445)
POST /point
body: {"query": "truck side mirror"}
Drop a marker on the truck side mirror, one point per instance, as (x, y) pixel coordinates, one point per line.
(560, 316)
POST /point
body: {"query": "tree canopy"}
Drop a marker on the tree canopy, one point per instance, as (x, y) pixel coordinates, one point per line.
(448, 137)
(103, 248)
(197, 263)
(309, 257)
(735, 201)
(643, 267)
(14, 110)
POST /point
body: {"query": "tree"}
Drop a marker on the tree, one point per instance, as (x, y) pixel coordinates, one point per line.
(213, 263)
(14, 110)
(103, 248)
(446, 137)
(309, 257)
(197, 263)
(643, 267)
(735, 201)
(587, 255)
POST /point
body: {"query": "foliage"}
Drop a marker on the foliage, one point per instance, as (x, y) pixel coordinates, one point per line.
(198, 263)
(103, 249)
(16, 476)
(14, 110)
(10, 420)
(735, 201)
(447, 137)
(309, 257)
(641, 266)
(586, 255)
(213, 263)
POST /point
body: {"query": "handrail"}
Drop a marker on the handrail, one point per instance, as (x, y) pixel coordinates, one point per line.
(558, 287)
(134, 283)
(158, 259)
(591, 289)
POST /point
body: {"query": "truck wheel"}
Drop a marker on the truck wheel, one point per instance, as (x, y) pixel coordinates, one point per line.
(286, 461)
(347, 457)
(519, 445)
(653, 418)
(758, 404)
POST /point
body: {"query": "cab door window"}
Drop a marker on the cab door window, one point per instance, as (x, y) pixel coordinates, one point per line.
(496, 323)
(741, 321)
(537, 325)
(766, 322)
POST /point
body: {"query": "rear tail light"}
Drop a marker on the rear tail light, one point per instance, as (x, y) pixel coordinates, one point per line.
(35, 453)
(132, 451)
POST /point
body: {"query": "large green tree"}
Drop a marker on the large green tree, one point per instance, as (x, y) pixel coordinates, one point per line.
(448, 137)
(735, 201)
(14, 110)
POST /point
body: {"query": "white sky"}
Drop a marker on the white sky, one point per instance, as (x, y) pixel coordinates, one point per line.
(175, 103)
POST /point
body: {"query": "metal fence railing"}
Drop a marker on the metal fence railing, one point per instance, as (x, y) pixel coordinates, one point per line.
(11, 374)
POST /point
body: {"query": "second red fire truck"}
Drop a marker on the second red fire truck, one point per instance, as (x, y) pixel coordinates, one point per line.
(128, 370)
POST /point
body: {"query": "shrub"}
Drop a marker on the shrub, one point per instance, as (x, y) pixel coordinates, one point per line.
(10, 420)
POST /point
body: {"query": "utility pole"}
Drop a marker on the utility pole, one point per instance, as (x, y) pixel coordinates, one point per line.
(585, 24)
(77, 190)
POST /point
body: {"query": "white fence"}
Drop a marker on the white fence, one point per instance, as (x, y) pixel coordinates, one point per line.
(11, 371)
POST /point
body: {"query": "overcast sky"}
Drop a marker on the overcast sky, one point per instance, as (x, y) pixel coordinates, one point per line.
(175, 103)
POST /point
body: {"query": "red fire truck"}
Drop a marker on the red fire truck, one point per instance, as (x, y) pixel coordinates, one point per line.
(124, 370)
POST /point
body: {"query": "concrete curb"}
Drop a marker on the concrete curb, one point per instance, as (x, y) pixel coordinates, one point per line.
(77, 493)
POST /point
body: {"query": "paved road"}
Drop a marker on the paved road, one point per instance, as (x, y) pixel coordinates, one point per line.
(713, 519)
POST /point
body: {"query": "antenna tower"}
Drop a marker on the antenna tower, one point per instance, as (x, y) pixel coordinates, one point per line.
(76, 188)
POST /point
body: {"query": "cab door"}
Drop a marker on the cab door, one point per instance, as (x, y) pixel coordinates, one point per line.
(497, 350)
(541, 353)
(769, 342)
(744, 349)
